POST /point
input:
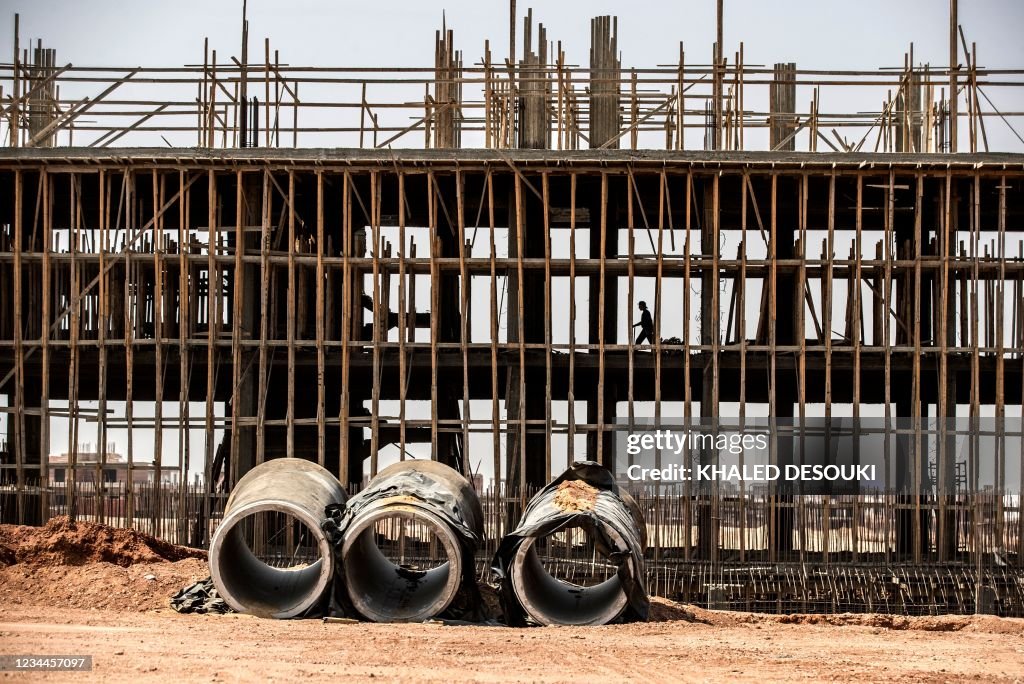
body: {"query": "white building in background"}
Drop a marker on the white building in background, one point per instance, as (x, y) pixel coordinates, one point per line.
(113, 471)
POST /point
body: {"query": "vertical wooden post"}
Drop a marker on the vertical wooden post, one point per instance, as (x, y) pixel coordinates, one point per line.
(495, 429)
(101, 339)
(548, 424)
(158, 333)
(403, 317)
(601, 320)
(185, 359)
(687, 389)
(954, 67)
(264, 361)
(46, 184)
(19, 355)
(916, 369)
(321, 332)
(521, 336)
(379, 320)
(571, 389)
(464, 331)
(213, 313)
(346, 331)
(290, 321)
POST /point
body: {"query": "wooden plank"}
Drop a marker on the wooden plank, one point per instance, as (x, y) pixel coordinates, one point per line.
(321, 330)
(687, 389)
(237, 298)
(801, 334)
(630, 301)
(46, 185)
(185, 357)
(264, 353)
(918, 533)
(741, 324)
(346, 330)
(858, 335)
(773, 447)
(213, 314)
(435, 312)
(495, 427)
(129, 352)
(74, 207)
(464, 330)
(1000, 389)
(101, 337)
(403, 318)
(19, 358)
(158, 334)
(548, 424)
(521, 339)
(571, 389)
(290, 307)
(601, 321)
(944, 409)
(379, 328)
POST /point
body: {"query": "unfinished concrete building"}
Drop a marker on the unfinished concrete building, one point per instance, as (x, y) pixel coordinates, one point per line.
(350, 275)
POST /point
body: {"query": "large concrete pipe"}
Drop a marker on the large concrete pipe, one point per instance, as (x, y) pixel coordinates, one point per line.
(585, 496)
(424, 493)
(291, 486)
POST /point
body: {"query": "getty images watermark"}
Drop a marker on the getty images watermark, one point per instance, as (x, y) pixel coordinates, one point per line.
(754, 446)
(821, 456)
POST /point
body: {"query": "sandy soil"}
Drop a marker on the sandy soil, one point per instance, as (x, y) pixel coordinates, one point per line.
(119, 615)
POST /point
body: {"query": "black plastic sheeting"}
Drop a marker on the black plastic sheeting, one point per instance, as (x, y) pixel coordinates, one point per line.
(542, 517)
(200, 597)
(417, 489)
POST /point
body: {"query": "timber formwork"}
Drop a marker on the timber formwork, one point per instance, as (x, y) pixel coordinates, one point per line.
(478, 305)
(287, 340)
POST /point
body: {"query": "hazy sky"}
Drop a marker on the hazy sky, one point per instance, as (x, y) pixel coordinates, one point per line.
(872, 33)
(817, 35)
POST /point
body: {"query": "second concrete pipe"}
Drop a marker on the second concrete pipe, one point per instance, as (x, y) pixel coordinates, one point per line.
(425, 493)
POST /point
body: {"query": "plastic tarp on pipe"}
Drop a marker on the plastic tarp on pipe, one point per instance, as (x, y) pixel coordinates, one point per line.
(612, 518)
(369, 585)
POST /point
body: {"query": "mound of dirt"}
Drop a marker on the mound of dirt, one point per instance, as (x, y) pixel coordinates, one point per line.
(666, 610)
(99, 586)
(876, 621)
(64, 542)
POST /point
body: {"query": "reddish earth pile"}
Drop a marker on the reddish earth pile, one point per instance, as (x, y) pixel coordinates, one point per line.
(64, 542)
(117, 569)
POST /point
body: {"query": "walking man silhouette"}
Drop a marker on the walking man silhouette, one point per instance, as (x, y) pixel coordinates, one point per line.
(646, 325)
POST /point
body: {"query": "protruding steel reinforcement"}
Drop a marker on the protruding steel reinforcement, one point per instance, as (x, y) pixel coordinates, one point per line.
(293, 487)
(425, 493)
(585, 496)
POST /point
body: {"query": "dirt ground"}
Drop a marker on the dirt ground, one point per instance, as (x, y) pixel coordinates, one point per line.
(72, 605)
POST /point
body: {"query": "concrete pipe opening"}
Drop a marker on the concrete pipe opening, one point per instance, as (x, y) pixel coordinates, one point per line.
(552, 600)
(577, 555)
(416, 574)
(269, 557)
(410, 542)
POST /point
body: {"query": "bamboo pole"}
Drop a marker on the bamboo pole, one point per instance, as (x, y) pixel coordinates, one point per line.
(495, 428)
(379, 331)
(464, 311)
(321, 328)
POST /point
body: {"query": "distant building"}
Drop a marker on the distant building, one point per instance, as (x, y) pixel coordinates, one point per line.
(114, 469)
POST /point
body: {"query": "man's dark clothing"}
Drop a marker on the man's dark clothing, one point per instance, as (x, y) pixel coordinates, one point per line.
(646, 328)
